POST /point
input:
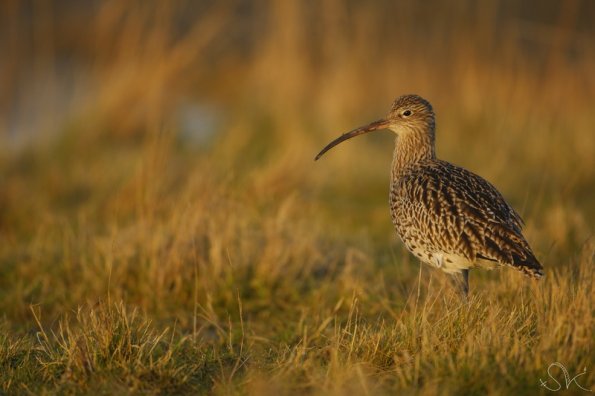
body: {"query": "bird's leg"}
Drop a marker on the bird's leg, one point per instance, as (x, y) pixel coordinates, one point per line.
(461, 282)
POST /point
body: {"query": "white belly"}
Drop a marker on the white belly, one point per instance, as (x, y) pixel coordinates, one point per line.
(450, 263)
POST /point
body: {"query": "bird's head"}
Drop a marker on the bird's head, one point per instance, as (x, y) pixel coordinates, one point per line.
(409, 114)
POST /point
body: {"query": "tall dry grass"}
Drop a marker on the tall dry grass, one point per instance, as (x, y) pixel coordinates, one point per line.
(163, 228)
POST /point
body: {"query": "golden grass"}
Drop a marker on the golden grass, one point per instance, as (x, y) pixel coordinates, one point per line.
(134, 259)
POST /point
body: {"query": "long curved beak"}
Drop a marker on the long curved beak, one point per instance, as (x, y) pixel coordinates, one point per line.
(379, 124)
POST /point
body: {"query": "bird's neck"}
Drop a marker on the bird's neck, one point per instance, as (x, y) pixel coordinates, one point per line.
(412, 148)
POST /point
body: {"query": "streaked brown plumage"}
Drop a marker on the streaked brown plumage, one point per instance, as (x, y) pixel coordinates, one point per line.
(445, 215)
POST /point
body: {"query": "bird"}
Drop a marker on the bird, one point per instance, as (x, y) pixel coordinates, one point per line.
(446, 215)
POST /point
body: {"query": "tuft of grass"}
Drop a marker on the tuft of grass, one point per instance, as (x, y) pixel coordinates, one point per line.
(105, 349)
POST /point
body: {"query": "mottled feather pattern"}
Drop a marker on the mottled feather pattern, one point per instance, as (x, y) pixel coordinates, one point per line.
(446, 208)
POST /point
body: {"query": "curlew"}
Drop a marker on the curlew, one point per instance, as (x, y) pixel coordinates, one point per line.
(445, 215)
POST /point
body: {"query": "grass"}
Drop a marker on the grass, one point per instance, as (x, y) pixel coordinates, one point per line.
(141, 255)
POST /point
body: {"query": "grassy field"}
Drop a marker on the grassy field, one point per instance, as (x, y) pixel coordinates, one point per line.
(165, 230)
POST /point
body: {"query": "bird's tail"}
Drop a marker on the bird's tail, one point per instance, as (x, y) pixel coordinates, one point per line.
(529, 265)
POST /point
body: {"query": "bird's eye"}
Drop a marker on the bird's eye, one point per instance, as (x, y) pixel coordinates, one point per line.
(407, 113)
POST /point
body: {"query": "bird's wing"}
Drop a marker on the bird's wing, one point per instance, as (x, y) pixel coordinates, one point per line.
(461, 213)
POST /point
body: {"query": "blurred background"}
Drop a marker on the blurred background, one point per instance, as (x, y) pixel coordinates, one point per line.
(130, 129)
